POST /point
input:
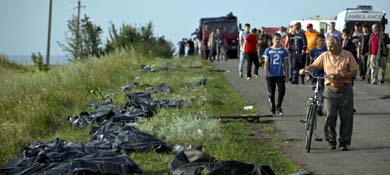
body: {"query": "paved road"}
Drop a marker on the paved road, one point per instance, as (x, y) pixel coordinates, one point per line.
(370, 149)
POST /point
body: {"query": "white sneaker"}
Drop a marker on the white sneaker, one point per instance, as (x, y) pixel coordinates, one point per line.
(280, 112)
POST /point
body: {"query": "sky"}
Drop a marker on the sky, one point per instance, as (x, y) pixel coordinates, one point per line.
(24, 23)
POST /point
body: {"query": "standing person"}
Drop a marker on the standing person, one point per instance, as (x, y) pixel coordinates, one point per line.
(333, 32)
(182, 47)
(250, 54)
(340, 67)
(314, 53)
(283, 32)
(357, 39)
(191, 47)
(241, 40)
(346, 43)
(297, 43)
(197, 40)
(276, 73)
(364, 61)
(311, 37)
(378, 54)
(263, 42)
(219, 43)
(286, 45)
(211, 44)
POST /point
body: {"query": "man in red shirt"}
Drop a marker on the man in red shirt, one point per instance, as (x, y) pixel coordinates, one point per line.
(250, 54)
(378, 54)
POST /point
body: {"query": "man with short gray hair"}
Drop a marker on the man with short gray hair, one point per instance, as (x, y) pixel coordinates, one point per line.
(333, 32)
(340, 67)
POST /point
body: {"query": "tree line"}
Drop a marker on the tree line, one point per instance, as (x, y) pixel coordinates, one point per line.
(83, 40)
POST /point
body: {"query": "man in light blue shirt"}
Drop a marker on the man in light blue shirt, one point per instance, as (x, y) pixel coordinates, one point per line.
(333, 32)
(242, 37)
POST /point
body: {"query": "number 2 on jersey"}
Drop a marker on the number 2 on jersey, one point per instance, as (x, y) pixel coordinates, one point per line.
(276, 59)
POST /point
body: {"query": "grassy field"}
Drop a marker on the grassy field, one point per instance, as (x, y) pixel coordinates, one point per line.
(34, 106)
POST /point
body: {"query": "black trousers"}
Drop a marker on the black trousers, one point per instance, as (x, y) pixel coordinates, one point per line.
(252, 59)
(298, 62)
(363, 65)
(272, 82)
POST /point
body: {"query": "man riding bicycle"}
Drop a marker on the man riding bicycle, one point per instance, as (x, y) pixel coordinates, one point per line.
(340, 67)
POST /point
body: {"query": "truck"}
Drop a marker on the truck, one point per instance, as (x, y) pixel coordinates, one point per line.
(361, 14)
(228, 25)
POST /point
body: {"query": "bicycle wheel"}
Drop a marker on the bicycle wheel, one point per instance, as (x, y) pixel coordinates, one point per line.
(311, 125)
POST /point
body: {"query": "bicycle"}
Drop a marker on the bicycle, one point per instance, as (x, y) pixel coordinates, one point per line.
(314, 104)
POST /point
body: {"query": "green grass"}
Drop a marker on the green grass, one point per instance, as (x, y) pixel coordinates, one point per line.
(6, 64)
(35, 105)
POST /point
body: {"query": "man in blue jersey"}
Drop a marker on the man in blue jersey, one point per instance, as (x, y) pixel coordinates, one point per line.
(276, 73)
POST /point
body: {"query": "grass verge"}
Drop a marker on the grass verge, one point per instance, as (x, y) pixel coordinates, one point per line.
(34, 106)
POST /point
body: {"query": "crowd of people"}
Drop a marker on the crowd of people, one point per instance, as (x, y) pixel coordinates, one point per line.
(337, 55)
(191, 45)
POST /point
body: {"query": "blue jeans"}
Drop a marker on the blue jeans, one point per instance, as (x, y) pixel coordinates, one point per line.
(241, 63)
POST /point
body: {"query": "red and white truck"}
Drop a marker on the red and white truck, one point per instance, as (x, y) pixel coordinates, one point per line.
(227, 24)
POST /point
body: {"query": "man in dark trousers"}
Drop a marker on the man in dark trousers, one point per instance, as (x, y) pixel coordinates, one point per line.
(276, 73)
(340, 67)
(250, 54)
(297, 43)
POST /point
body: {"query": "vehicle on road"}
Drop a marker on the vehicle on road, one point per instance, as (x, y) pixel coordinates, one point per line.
(228, 25)
(361, 14)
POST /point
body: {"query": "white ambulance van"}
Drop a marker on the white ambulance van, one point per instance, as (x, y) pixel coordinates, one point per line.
(361, 14)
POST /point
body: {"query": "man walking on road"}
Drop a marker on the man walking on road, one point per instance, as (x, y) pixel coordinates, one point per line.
(378, 54)
(263, 42)
(298, 45)
(311, 38)
(250, 54)
(241, 40)
(276, 72)
(340, 67)
(333, 32)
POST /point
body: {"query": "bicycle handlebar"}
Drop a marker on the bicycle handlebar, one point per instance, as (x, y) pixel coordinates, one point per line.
(315, 76)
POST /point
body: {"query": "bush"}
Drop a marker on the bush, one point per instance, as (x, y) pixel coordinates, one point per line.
(140, 39)
(5, 63)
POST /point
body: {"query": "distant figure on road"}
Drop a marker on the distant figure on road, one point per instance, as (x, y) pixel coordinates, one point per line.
(263, 42)
(220, 44)
(283, 32)
(333, 32)
(311, 37)
(347, 44)
(182, 47)
(276, 73)
(357, 39)
(250, 54)
(378, 54)
(340, 67)
(191, 47)
(241, 41)
(297, 43)
(197, 40)
(364, 60)
(211, 44)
